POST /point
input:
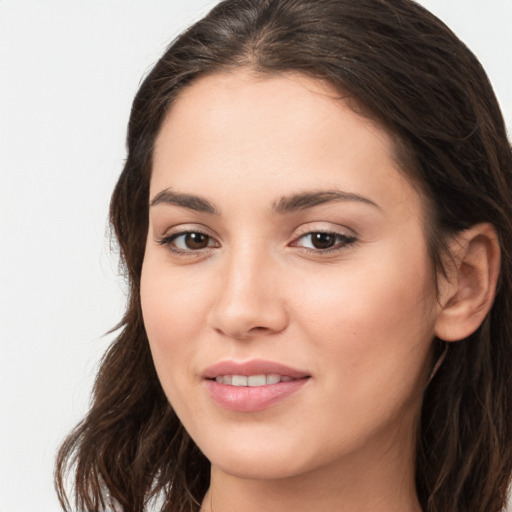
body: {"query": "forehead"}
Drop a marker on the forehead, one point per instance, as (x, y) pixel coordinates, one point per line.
(261, 100)
(287, 131)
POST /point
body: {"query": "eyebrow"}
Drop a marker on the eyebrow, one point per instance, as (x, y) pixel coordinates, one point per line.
(287, 204)
(189, 201)
(305, 200)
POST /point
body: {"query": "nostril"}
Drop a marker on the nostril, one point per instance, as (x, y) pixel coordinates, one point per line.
(244, 317)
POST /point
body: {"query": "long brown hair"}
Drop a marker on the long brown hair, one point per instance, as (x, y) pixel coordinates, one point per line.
(406, 69)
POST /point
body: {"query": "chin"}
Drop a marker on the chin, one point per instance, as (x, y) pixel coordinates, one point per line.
(263, 467)
(251, 458)
(267, 459)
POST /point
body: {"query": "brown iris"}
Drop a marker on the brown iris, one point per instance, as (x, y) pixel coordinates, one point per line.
(323, 240)
(196, 241)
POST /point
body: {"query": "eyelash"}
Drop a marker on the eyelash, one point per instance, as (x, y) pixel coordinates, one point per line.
(167, 242)
(343, 241)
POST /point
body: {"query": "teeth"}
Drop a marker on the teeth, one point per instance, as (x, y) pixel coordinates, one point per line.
(239, 380)
(252, 380)
(273, 379)
(256, 380)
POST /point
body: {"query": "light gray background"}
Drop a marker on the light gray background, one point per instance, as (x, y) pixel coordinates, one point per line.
(68, 72)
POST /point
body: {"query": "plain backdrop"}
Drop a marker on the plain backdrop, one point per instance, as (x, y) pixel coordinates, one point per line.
(68, 72)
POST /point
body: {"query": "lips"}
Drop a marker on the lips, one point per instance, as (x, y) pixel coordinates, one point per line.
(252, 367)
(253, 385)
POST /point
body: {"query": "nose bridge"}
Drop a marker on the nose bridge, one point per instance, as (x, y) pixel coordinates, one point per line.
(248, 299)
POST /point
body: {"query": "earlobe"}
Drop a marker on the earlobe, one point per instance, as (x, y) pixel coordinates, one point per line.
(467, 292)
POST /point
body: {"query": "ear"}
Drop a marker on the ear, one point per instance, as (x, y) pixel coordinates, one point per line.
(467, 291)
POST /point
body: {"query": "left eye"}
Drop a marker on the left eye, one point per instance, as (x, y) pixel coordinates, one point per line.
(322, 241)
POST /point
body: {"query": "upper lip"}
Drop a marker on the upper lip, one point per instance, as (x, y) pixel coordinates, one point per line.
(252, 367)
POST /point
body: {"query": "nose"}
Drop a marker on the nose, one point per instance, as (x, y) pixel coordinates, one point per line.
(249, 300)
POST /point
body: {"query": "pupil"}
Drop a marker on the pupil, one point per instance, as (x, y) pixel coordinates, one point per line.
(196, 240)
(323, 240)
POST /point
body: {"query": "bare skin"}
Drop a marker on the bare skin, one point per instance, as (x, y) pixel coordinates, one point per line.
(338, 286)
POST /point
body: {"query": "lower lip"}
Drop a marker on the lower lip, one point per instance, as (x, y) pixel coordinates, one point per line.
(252, 399)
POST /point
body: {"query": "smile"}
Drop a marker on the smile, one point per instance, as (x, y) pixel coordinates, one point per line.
(252, 380)
(252, 386)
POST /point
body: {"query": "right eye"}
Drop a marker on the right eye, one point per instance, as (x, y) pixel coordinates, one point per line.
(188, 242)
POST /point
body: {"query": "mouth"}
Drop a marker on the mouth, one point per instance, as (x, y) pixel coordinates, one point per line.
(252, 381)
(253, 385)
(255, 372)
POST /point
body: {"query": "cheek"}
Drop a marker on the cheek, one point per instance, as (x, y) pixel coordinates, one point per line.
(173, 311)
(375, 319)
(373, 336)
(173, 300)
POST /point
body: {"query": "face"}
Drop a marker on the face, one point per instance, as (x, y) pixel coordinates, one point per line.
(286, 289)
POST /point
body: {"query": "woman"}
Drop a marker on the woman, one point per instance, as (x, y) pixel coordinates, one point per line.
(315, 218)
